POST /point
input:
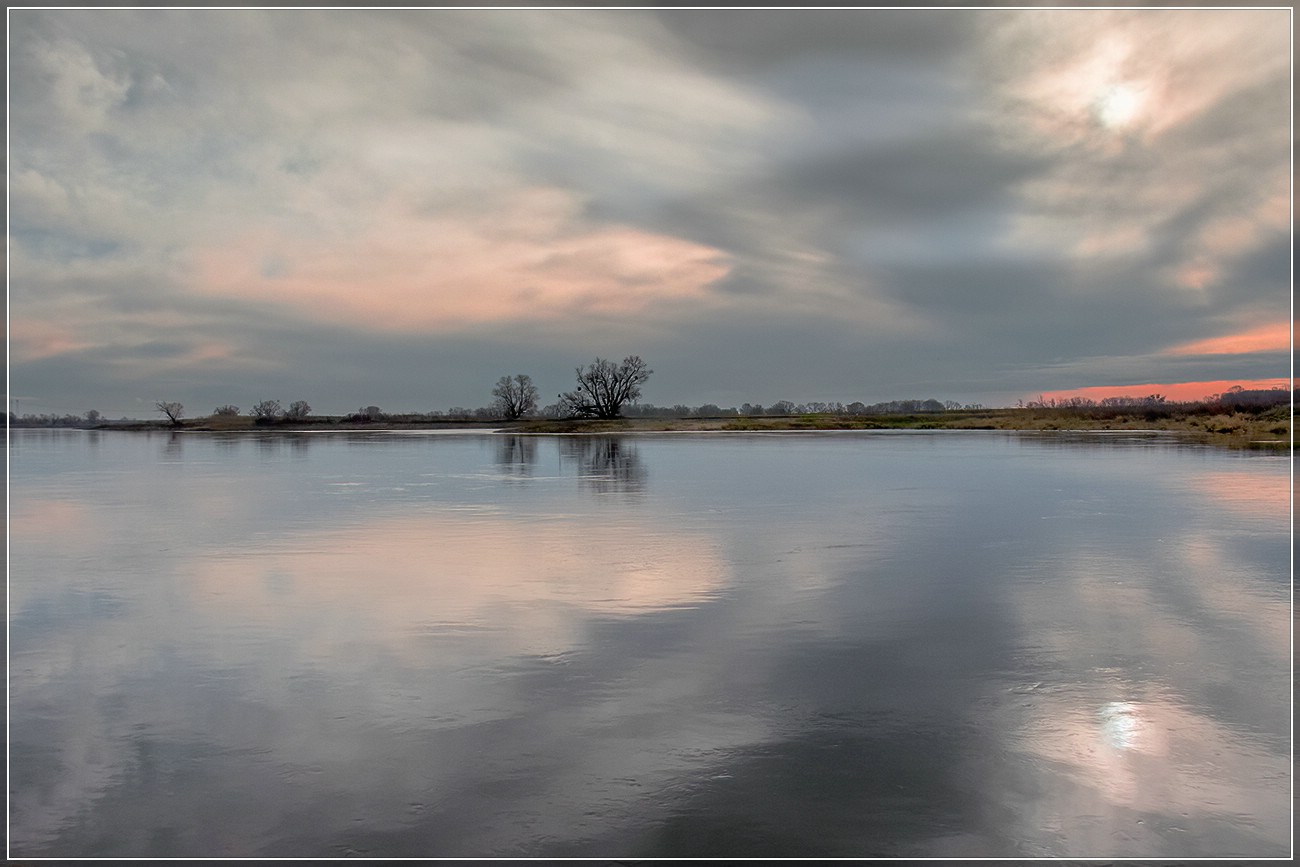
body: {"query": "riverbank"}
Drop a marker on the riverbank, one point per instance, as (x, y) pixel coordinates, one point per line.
(1269, 428)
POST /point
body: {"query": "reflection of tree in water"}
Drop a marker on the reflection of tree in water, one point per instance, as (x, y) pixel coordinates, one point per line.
(516, 455)
(172, 450)
(227, 444)
(605, 463)
(270, 445)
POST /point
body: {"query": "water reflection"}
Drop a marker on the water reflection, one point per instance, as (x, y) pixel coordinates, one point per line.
(851, 646)
(448, 573)
(1121, 724)
(1246, 490)
(606, 464)
(516, 455)
(172, 450)
(270, 445)
(227, 444)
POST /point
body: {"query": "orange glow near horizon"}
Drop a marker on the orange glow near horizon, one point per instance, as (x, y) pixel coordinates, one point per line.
(1274, 337)
(1175, 391)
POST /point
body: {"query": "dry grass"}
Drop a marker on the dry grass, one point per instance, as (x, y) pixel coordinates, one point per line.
(1269, 428)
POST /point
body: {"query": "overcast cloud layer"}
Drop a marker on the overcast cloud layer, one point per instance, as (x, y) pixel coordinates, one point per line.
(399, 207)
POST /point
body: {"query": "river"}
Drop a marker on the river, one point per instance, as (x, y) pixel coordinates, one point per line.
(856, 644)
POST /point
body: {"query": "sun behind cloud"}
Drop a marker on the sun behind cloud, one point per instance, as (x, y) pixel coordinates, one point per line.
(1119, 105)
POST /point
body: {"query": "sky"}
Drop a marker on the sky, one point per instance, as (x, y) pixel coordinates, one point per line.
(398, 207)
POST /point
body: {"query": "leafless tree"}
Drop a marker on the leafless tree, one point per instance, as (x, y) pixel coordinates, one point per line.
(298, 409)
(226, 409)
(604, 387)
(267, 410)
(172, 409)
(515, 396)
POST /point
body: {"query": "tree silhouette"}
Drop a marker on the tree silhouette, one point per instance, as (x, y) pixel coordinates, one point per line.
(172, 409)
(515, 396)
(267, 411)
(604, 387)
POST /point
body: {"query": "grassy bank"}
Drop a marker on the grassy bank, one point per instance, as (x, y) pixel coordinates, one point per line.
(1269, 428)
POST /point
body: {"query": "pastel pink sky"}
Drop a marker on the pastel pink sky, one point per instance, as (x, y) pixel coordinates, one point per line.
(1176, 391)
(410, 273)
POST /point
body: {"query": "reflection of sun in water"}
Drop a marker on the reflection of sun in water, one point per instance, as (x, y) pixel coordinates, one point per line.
(1120, 724)
(1118, 105)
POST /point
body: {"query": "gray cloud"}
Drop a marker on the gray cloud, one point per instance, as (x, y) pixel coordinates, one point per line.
(777, 36)
(335, 201)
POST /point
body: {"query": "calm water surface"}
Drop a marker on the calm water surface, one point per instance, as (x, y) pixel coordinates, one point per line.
(490, 645)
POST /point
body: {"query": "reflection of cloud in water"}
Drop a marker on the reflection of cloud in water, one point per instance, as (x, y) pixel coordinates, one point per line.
(474, 571)
(314, 658)
(1165, 698)
(1149, 756)
(478, 675)
(72, 522)
(1263, 495)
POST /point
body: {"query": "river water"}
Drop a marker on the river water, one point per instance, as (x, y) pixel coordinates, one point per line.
(849, 644)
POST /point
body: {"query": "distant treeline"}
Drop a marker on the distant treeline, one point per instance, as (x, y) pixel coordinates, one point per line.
(1236, 399)
(785, 407)
(1233, 400)
(650, 410)
(372, 413)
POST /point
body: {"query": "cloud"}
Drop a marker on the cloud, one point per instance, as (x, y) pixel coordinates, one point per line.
(1009, 199)
(525, 260)
(1274, 337)
(1192, 175)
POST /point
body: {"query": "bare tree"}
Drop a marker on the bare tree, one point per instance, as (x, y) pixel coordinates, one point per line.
(92, 416)
(267, 411)
(298, 409)
(604, 387)
(515, 396)
(227, 409)
(172, 409)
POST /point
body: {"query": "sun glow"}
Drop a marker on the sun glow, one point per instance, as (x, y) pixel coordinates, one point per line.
(1119, 105)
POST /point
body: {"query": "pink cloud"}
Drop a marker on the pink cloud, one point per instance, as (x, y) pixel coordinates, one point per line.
(410, 272)
(1274, 337)
(34, 339)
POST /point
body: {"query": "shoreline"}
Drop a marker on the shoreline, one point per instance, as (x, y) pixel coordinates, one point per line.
(1267, 430)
